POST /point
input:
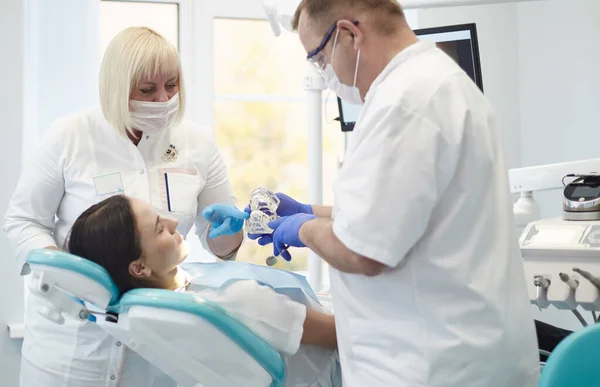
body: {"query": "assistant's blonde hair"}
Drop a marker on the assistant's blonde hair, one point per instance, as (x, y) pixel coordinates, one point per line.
(135, 54)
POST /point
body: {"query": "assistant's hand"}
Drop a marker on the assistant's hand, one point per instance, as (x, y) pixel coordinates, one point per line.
(225, 219)
(287, 230)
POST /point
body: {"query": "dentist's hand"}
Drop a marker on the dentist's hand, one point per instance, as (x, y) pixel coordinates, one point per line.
(287, 230)
(287, 207)
(225, 219)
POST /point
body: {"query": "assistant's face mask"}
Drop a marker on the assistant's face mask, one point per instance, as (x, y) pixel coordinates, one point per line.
(154, 117)
(350, 94)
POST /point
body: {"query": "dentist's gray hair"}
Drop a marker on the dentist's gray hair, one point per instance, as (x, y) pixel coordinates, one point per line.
(327, 12)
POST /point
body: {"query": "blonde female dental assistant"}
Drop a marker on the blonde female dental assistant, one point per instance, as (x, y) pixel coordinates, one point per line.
(136, 144)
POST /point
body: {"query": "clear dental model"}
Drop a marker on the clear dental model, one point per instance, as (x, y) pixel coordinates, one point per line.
(263, 209)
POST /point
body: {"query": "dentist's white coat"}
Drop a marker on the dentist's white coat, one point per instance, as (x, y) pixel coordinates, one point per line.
(424, 190)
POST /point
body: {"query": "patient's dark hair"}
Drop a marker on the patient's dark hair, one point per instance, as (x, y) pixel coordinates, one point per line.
(106, 234)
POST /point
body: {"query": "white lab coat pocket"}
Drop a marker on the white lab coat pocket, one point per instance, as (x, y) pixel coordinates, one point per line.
(389, 353)
(179, 189)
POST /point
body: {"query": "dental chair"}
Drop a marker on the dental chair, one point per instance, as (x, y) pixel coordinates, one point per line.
(575, 361)
(192, 340)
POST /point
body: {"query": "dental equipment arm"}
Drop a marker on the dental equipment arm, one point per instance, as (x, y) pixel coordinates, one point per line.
(541, 284)
(525, 181)
(588, 276)
(573, 284)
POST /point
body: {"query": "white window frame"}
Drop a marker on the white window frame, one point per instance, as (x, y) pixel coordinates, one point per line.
(204, 12)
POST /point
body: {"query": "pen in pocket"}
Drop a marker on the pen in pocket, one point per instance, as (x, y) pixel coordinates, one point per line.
(167, 191)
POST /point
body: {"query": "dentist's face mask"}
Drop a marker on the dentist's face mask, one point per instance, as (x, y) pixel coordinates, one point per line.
(347, 93)
(154, 117)
(350, 94)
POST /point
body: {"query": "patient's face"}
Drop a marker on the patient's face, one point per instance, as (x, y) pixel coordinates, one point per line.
(162, 249)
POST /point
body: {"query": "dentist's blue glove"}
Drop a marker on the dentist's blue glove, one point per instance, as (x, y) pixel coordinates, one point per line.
(287, 207)
(225, 219)
(287, 233)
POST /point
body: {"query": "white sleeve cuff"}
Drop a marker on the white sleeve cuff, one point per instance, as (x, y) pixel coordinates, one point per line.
(203, 240)
(35, 242)
(361, 247)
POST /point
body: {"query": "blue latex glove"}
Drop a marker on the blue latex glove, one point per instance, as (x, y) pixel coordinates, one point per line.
(287, 207)
(225, 219)
(287, 233)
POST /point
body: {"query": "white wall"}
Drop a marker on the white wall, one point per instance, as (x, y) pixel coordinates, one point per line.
(559, 79)
(11, 111)
(498, 41)
(559, 50)
(540, 70)
(62, 62)
(48, 69)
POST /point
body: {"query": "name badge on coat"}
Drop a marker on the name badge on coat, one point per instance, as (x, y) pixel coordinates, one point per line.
(108, 184)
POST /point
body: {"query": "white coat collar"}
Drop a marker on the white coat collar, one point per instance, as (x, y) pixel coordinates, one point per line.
(402, 57)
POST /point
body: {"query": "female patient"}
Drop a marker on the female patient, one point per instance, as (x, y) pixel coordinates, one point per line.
(141, 249)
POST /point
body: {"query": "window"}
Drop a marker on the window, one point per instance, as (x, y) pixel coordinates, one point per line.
(260, 119)
(115, 16)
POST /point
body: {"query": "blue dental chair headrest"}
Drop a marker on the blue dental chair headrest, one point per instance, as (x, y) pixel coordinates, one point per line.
(63, 260)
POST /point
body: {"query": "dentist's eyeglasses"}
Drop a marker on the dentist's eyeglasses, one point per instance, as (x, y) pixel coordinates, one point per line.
(316, 56)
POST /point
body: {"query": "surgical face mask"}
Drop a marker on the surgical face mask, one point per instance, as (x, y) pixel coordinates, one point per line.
(350, 94)
(154, 117)
(347, 93)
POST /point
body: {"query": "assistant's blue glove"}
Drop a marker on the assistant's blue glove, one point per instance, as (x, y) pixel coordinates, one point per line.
(225, 219)
(287, 207)
(287, 233)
